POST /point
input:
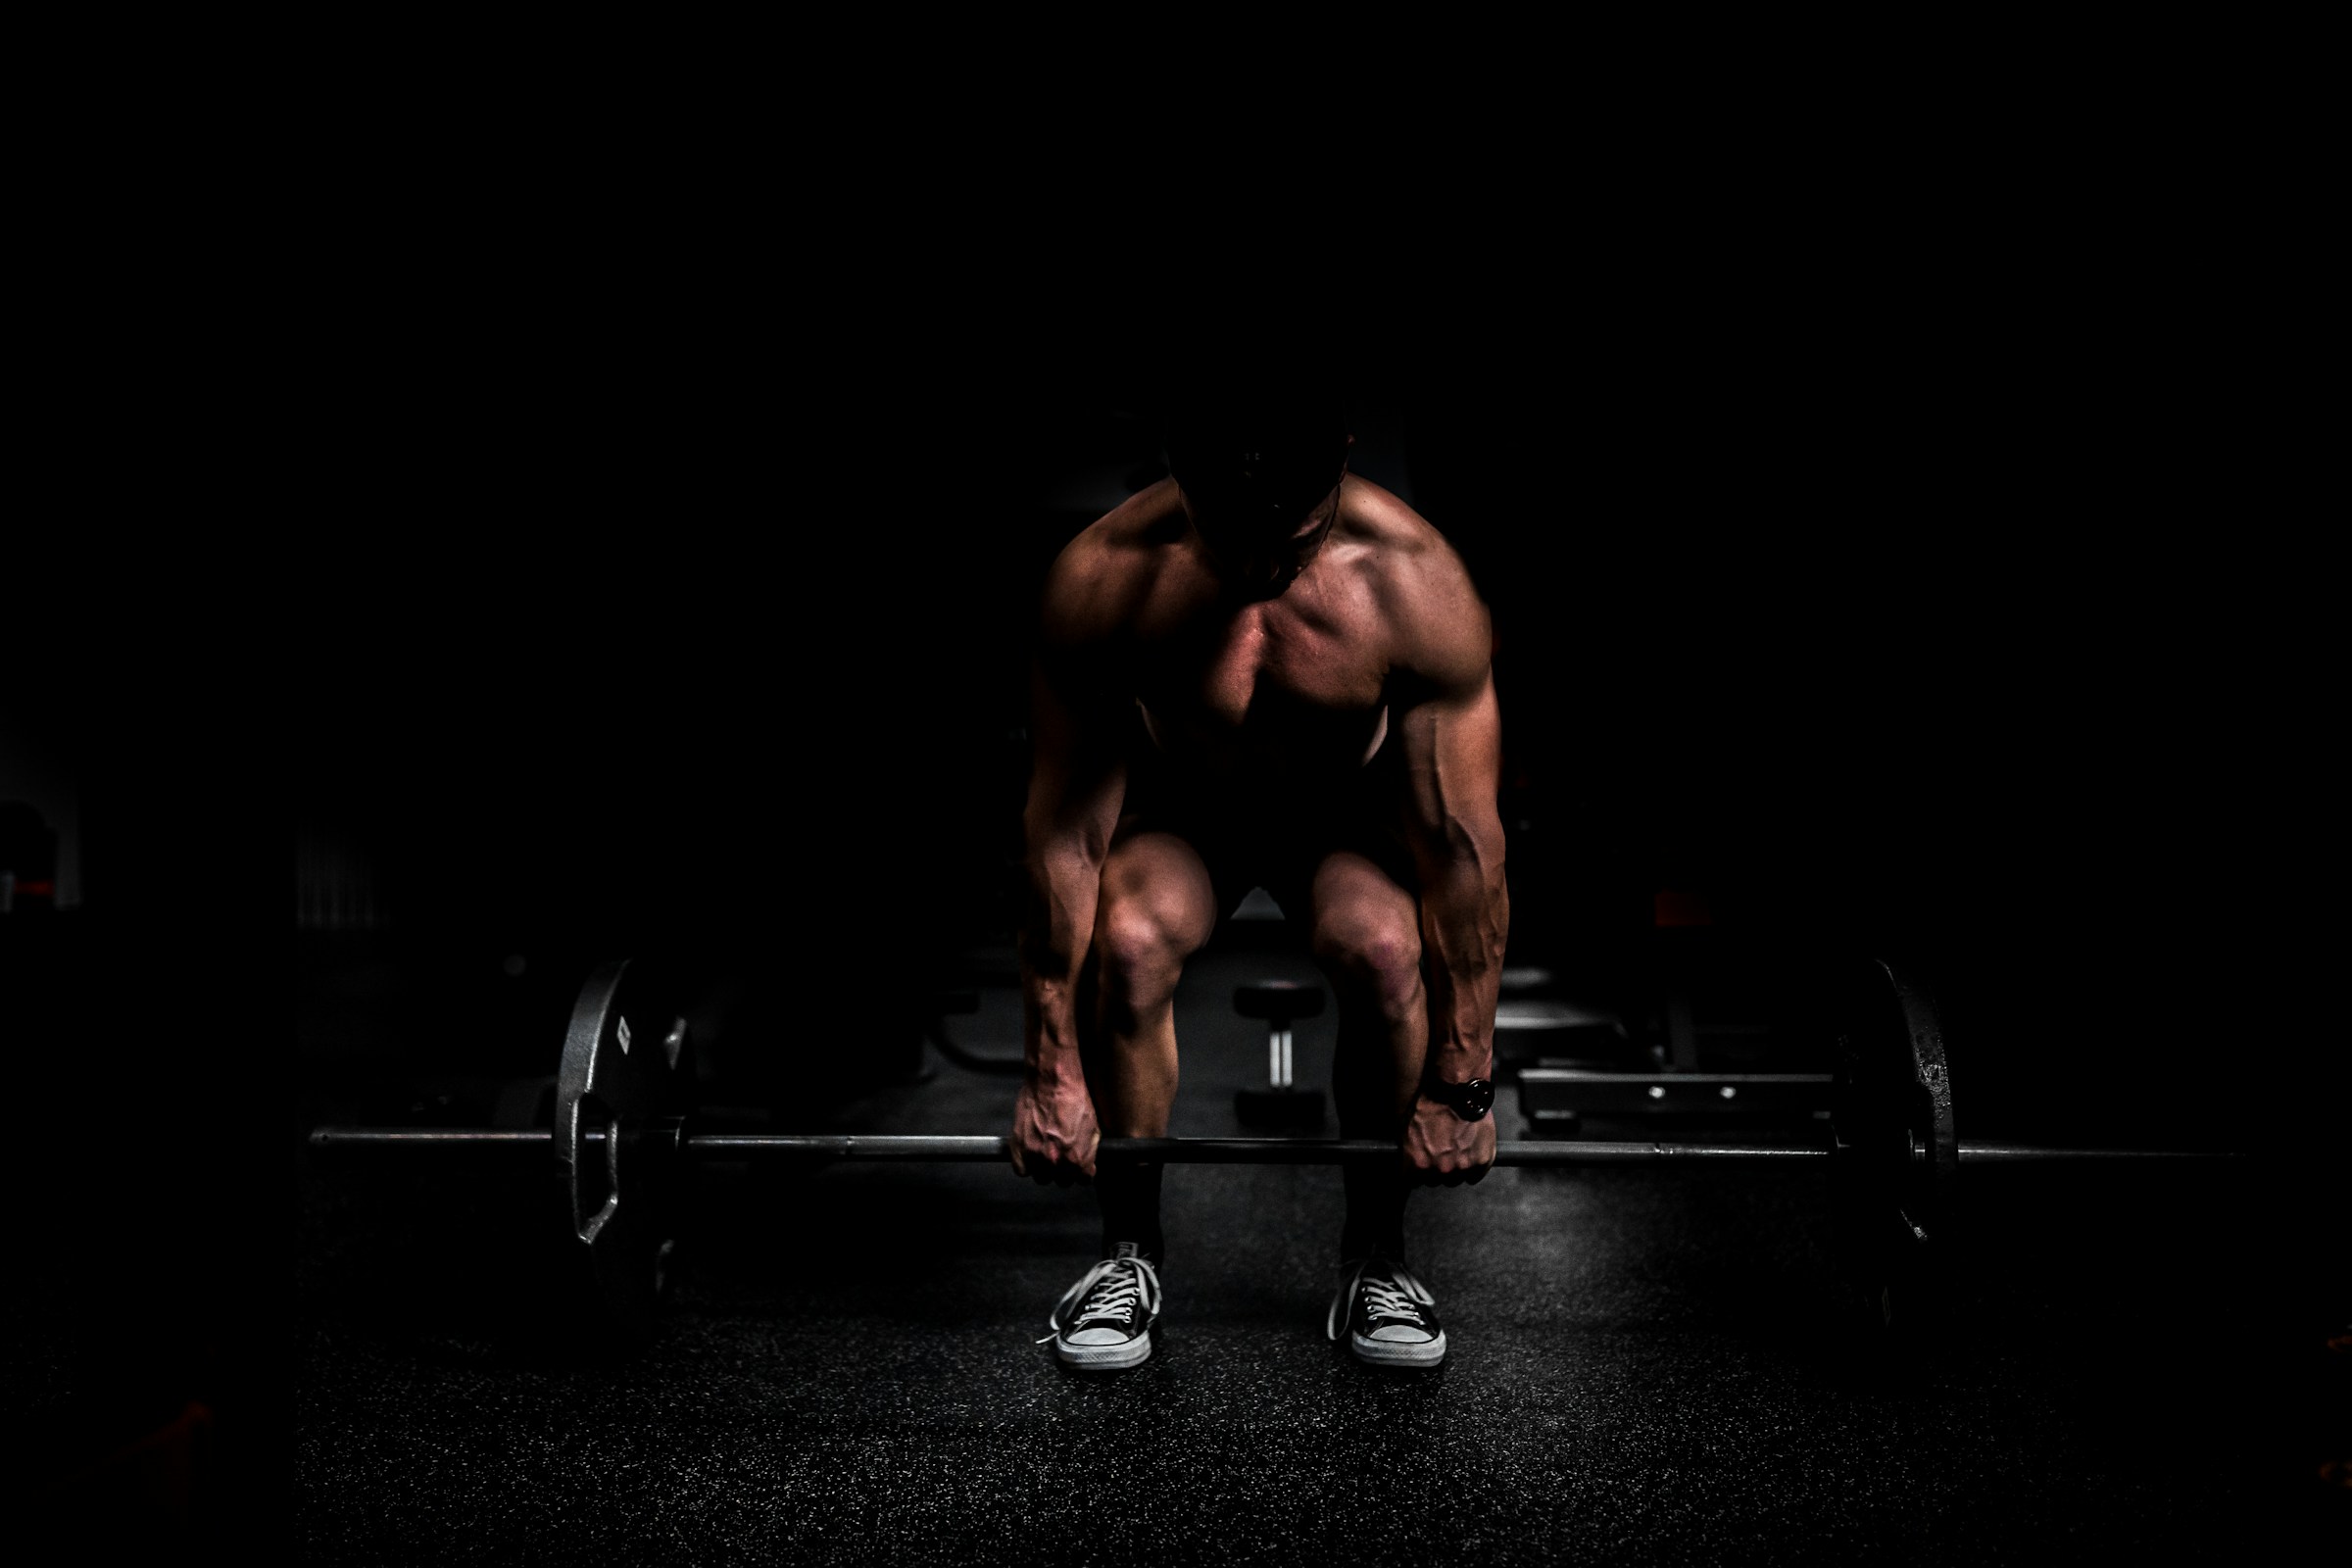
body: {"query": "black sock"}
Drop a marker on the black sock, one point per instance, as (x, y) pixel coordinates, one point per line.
(1376, 1195)
(1129, 1198)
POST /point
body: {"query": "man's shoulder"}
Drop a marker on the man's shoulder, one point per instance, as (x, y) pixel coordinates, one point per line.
(1102, 576)
(1405, 546)
(1436, 618)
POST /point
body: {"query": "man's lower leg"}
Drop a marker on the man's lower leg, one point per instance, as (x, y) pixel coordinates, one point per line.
(1375, 1223)
(1129, 1198)
(1136, 1098)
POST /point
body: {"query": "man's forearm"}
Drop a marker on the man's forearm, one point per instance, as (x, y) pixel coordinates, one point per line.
(1064, 880)
(1465, 922)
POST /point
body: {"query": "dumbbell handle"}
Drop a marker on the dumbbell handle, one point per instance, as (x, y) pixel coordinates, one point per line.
(1168, 1150)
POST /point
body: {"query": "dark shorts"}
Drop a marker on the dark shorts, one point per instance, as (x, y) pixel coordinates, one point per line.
(1275, 844)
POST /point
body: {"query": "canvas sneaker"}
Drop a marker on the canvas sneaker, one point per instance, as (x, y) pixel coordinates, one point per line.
(1387, 1316)
(1104, 1322)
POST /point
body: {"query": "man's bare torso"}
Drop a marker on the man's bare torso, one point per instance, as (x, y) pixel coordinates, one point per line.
(1274, 695)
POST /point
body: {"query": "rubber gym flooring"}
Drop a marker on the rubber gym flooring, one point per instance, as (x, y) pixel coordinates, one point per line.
(1643, 1368)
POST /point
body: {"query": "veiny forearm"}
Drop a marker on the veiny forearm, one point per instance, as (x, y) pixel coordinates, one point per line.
(1465, 923)
(1064, 881)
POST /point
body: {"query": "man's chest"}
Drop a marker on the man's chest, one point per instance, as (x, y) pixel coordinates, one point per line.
(1265, 676)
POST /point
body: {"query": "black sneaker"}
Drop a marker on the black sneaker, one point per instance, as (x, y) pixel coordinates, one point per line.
(1388, 1316)
(1104, 1322)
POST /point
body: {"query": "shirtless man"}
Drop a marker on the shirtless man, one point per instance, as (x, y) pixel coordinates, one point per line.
(1262, 671)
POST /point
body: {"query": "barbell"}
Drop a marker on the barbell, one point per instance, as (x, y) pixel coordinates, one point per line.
(622, 1136)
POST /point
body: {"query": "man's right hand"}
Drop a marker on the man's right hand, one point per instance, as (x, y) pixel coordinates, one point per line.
(1054, 1134)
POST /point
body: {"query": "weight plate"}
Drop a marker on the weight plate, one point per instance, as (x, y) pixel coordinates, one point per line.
(1897, 1157)
(620, 1100)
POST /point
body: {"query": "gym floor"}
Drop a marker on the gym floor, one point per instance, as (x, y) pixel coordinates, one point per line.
(1642, 1367)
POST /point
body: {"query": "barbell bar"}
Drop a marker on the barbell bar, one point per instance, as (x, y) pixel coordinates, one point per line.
(627, 1065)
(960, 1148)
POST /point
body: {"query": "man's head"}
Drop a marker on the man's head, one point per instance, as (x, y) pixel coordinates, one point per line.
(1260, 478)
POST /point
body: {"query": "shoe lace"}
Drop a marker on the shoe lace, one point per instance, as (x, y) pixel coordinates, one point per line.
(1389, 1302)
(1118, 1293)
(1110, 1292)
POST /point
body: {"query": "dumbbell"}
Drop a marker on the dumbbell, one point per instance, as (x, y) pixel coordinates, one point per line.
(1281, 1102)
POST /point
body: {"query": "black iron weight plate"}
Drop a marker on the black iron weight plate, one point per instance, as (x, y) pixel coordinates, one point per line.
(1896, 1157)
(621, 1097)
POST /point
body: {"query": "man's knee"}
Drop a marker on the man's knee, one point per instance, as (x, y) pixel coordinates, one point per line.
(1140, 951)
(1374, 959)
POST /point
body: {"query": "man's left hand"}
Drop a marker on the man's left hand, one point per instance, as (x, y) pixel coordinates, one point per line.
(1441, 1150)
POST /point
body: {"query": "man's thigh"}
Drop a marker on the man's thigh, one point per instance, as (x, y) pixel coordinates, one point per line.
(1156, 887)
(1359, 913)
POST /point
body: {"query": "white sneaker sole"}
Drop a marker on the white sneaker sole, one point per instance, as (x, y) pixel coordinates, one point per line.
(1389, 1353)
(1105, 1357)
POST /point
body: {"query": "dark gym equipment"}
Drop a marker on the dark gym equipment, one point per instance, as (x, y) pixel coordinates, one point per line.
(620, 1143)
(620, 1108)
(1563, 1097)
(1281, 1102)
(1895, 1158)
(957, 1148)
(1533, 1028)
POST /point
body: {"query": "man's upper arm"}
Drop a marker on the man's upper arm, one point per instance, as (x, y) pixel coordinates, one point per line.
(1452, 725)
(1077, 782)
